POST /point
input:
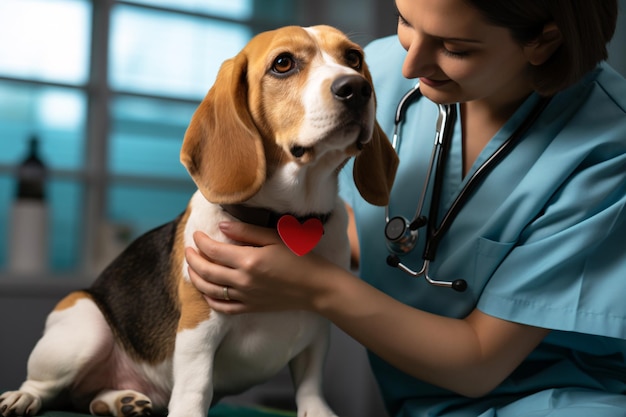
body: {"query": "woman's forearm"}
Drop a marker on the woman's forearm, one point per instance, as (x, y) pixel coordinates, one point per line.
(469, 356)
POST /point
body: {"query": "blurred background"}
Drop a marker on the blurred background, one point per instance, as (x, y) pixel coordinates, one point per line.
(106, 88)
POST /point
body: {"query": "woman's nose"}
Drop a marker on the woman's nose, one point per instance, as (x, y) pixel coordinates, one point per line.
(420, 60)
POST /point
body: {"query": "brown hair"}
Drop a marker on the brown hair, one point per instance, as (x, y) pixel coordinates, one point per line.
(586, 27)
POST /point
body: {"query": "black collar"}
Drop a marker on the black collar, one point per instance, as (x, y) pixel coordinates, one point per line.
(259, 216)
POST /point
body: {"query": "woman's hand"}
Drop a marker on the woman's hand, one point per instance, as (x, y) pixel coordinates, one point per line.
(264, 275)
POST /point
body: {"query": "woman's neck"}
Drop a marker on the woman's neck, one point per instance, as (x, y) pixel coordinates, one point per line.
(480, 121)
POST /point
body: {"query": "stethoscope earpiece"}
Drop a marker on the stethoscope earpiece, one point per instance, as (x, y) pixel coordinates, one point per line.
(458, 285)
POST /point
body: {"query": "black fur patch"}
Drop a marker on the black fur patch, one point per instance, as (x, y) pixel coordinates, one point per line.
(137, 295)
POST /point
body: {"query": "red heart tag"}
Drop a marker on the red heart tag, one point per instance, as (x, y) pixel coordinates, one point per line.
(301, 238)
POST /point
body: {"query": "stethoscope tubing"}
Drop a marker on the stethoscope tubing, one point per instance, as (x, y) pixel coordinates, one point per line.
(443, 138)
(442, 124)
(503, 150)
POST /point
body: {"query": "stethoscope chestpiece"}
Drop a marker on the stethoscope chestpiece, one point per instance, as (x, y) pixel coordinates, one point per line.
(401, 234)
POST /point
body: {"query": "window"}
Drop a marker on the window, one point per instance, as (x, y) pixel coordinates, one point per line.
(234, 9)
(43, 67)
(180, 61)
(109, 87)
(45, 40)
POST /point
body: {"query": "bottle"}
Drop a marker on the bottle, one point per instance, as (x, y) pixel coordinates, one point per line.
(28, 241)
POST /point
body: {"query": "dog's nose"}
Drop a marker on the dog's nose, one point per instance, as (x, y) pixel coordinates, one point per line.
(353, 90)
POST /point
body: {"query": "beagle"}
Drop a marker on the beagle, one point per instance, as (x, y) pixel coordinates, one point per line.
(282, 118)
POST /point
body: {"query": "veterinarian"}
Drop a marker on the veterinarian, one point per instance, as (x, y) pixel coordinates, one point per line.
(539, 326)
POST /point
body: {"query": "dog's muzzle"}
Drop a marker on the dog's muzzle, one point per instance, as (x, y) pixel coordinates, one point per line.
(355, 92)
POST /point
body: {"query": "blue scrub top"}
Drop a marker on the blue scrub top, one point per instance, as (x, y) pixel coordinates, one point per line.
(541, 241)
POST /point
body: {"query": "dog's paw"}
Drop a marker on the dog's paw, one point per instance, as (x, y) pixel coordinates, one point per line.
(19, 403)
(121, 404)
(315, 408)
(134, 405)
(316, 413)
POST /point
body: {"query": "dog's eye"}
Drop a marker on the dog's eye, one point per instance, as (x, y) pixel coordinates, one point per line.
(354, 59)
(283, 64)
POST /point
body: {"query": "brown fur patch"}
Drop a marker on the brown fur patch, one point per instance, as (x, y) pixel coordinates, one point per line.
(281, 120)
(71, 299)
(194, 308)
(178, 252)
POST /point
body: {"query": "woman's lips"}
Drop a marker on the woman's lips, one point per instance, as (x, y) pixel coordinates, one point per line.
(433, 83)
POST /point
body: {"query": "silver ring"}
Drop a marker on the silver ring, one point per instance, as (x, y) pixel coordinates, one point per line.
(225, 291)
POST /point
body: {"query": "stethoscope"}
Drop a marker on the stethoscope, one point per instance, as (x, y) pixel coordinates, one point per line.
(402, 234)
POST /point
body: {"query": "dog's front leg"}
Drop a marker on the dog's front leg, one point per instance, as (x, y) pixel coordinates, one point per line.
(306, 370)
(197, 341)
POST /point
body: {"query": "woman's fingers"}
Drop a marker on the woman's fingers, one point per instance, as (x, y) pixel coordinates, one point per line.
(249, 234)
(205, 271)
(209, 249)
(226, 254)
(209, 278)
(215, 294)
(261, 275)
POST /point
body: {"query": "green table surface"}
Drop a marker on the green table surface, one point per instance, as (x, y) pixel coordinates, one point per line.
(217, 411)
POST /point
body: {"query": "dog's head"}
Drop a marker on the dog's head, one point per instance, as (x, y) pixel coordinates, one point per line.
(291, 95)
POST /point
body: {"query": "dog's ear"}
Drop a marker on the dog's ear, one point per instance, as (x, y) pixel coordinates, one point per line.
(222, 148)
(375, 168)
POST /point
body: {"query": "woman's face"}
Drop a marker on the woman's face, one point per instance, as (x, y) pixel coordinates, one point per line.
(458, 56)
